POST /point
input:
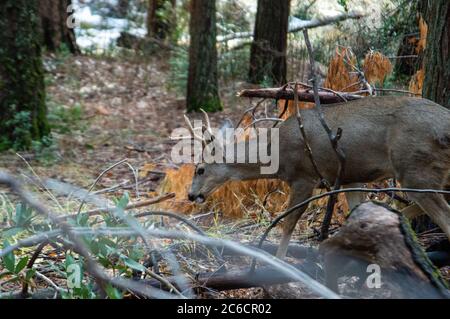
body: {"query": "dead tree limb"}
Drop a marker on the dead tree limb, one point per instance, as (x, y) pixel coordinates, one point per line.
(299, 25)
(306, 141)
(238, 279)
(99, 211)
(334, 139)
(92, 267)
(375, 234)
(347, 190)
(304, 95)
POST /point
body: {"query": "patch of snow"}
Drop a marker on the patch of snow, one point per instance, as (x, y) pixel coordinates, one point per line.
(100, 32)
(84, 15)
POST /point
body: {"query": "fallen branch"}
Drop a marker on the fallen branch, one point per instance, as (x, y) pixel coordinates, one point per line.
(406, 271)
(334, 140)
(299, 25)
(92, 267)
(139, 204)
(304, 95)
(347, 190)
(239, 279)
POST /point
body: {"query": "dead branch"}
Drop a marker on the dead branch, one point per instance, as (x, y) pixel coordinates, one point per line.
(91, 265)
(304, 95)
(305, 139)
(279, 265)
(124, 161)
(406, 273)
(347, 190)
(238, 279)
(334, 139)
(139, 204)
(299, 25)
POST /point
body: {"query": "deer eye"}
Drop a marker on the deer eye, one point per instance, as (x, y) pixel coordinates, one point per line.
(200, 171)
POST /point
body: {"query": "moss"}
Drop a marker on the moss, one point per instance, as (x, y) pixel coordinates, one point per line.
(420, 257)
(207, 104)
(22, 102)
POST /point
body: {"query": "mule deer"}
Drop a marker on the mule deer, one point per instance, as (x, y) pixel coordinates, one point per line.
(383, 137)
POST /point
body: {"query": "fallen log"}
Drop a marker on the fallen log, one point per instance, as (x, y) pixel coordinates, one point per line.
(305, 95)
(294, 250)
(378, 246)
(297, 25)
(238, 279)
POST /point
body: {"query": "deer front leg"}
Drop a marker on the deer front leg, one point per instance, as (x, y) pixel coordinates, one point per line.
(354, 198)
(300, 191)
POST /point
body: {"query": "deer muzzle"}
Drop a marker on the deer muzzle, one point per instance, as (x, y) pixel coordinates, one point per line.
(196, 198)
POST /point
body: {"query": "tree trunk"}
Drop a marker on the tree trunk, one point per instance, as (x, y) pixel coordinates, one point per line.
(268, 52)
(161, 16)
(202, 87)
(122, 8)
(436, 58)
(22, 89)
(376, 235)
(54, 27)
(406, 64)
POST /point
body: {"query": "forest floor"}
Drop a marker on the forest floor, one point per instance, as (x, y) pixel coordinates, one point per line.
(104, 110)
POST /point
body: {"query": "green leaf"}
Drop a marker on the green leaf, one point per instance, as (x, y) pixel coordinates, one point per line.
(82, 219)
(21, 264)
(112, 292)
(134, 264)
(12, 232)
(29, 274)
(123, 202)
(9, 260)
(69, 260)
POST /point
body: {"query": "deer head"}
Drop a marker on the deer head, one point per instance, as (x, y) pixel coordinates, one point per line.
(207, 177)
(210, 175)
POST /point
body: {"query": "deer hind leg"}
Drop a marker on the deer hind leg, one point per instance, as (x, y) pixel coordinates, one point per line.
(414, 210)
(434, 205)
(355, 198)
(300, 191)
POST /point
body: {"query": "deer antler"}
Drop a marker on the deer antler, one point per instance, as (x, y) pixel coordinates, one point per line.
(207, 127)
(204, 128)
(191, 129)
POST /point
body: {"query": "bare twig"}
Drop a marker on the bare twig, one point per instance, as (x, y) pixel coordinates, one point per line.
(326, 96)
(305, 140)
(139, 204)
(334, 139)
(346, 190)
(91, 265)
(309, 24)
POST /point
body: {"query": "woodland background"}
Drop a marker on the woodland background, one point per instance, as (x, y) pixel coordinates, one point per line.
(98, 102)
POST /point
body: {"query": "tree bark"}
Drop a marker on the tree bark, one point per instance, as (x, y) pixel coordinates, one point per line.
(122, 8)
(202, 86)
(406, 63)
(268, 51)
(161, 18)
(436, 58)
(22, 90)
(376, 235)
(304, 95)
(55, 30)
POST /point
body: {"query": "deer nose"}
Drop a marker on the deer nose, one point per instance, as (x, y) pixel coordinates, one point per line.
(191, 197)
